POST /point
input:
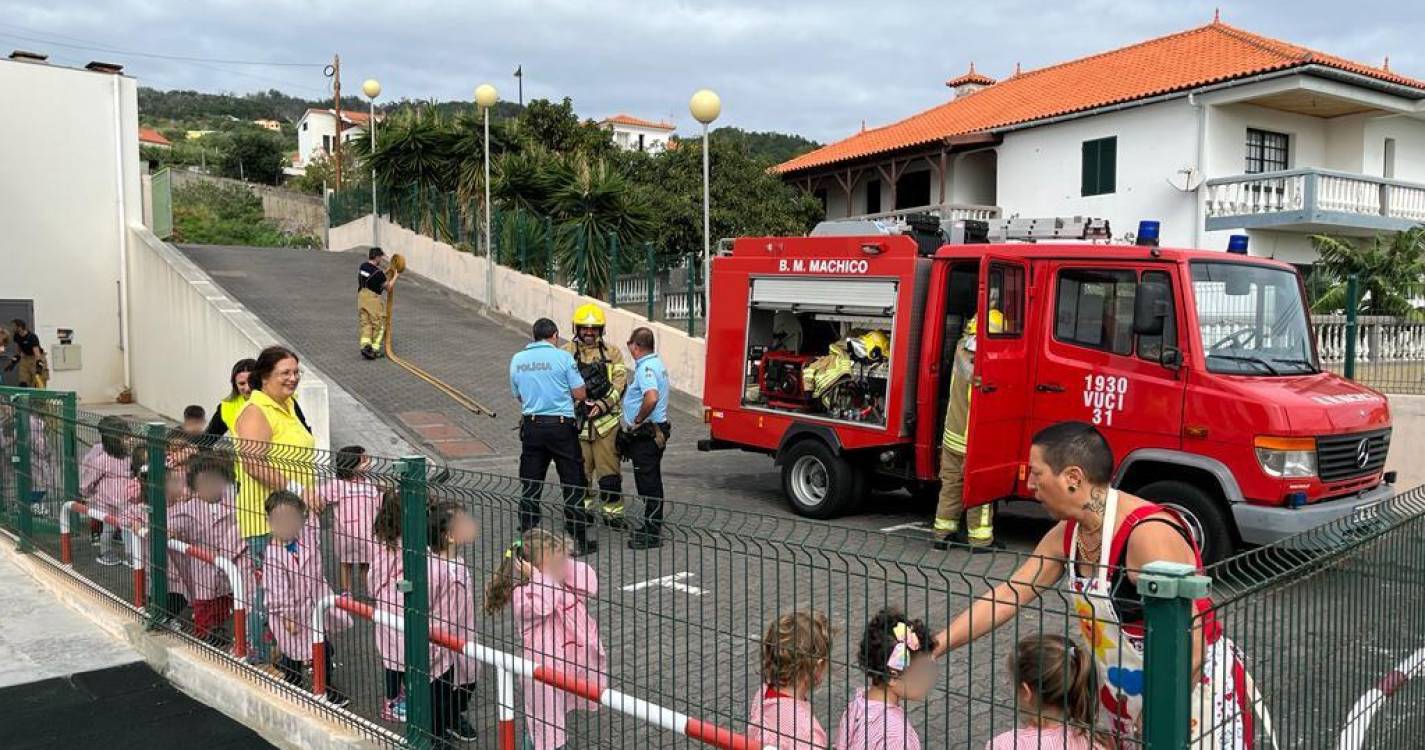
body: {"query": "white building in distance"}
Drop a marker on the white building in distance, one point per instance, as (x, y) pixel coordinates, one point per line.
(635, 134)
(316, 132)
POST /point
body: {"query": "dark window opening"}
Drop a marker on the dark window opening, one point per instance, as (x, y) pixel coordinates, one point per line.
(913, 190)
(1094, 309)
(1266, 151)
(873, 197)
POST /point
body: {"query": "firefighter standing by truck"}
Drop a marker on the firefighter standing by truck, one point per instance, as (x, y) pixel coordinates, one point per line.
(952, 522)
(605, 377)
(372, 282)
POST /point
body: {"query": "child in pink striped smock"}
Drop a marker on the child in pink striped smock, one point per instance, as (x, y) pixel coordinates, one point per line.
(356, 501)
(1054, 680)
(106, 480)
(548, 591)
(896, 654)
(795, 652)
(383, 584)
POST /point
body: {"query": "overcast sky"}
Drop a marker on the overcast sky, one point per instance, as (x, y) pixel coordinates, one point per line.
(814, 68)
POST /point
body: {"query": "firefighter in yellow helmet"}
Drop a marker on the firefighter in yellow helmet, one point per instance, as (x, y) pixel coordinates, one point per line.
(605, 377)
(952, 522)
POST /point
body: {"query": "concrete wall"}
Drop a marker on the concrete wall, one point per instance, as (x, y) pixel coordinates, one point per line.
(1409, 138)
(69, 186)
(188, 334)
(295, 212)
(1408, 416)
(524, 297)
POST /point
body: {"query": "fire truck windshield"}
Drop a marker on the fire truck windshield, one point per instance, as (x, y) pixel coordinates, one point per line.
(1252, 320)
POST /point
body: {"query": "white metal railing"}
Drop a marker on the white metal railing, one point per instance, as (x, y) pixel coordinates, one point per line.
(946, 211)
(1314, 190)
(631, 289)
(1379, 338)
(677, 308)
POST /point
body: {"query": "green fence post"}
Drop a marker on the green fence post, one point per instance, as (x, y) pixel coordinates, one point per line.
(24, 471)
(521, 241)
(581, 264)
(648, 259)
(692, 269)
(613, 277)
(416, 610)
(157, 524)
(1353, 303)
(1168, 590)
(69, 437)
(548, 250)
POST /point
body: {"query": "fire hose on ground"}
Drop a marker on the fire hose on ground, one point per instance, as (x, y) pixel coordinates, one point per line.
(227, 566)
(398, 264)
(508, 666)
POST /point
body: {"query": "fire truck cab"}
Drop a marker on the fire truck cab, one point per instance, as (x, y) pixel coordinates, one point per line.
(1200, 367)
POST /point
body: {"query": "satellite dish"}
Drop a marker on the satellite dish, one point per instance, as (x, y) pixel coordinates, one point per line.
(1186, 179)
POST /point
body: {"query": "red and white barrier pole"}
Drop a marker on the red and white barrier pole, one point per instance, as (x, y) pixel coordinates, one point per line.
(1358, 722)
(235, 583)
(508, 665)
(131, 545)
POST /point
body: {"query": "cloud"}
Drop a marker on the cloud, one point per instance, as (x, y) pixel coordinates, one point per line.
(815, 68)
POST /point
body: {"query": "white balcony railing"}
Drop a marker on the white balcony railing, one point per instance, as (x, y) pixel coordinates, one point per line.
(1313, 196)
(1379, 338)
(946, 211)
(677, 308)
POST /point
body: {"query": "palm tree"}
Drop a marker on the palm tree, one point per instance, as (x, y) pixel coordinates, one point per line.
(1390, 270)
(592, 202)
(415, 158)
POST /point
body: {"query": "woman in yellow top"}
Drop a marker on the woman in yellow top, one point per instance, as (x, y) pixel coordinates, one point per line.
(275, 452)
(239, 387)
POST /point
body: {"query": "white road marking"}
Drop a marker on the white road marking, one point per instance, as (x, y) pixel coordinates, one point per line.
(917, 526)
(674, 582)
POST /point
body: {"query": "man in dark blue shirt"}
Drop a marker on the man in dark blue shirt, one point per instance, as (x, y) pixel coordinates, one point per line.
(372, 282)
(546, 381)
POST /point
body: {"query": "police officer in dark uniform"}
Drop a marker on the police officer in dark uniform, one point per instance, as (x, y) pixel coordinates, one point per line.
(546, 381)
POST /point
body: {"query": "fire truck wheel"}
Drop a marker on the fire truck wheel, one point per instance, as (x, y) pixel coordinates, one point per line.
(1205, 519)
(819, 483)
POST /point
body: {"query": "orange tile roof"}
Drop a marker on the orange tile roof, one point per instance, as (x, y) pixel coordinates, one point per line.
(622, 119)
(1177, 62)
(153, 137)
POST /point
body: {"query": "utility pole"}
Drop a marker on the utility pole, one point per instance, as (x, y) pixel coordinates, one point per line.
(334, 71)
(519, 76)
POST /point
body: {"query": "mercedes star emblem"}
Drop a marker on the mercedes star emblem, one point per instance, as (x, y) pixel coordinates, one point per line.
(1363, 453)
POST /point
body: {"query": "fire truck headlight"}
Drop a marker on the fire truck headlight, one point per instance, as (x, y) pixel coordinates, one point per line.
(1287, 457)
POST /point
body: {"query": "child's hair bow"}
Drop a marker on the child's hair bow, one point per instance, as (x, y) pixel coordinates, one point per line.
(907, 642)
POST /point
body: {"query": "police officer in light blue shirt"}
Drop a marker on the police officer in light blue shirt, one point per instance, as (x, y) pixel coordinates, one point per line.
(546, 381)
(645, 433)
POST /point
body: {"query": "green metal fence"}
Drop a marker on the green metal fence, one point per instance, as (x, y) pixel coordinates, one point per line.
(596, 264)
(670, 642)
(1381, 345)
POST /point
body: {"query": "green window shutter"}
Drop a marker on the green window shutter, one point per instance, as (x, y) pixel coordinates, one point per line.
(1107, 165)
(1089, 179)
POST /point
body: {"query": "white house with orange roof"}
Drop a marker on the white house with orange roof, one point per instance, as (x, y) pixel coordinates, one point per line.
(636, 134)
(317, 132)
(1211, 131)
(151, 137)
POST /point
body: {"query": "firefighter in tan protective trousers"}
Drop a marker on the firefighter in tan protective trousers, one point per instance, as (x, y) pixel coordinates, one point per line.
(605, 377)
(952, 522)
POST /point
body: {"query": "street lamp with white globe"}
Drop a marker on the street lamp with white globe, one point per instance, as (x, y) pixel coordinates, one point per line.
(372, 89)
(705, 106)
(485, 98)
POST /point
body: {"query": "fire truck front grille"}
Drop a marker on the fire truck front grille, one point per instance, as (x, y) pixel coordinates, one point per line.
(1346, 456)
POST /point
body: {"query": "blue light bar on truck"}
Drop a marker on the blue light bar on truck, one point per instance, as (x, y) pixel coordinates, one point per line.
(1237, 243)
(1148, 233)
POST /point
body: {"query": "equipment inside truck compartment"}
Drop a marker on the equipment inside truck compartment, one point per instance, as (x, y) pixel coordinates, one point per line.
(820, 346)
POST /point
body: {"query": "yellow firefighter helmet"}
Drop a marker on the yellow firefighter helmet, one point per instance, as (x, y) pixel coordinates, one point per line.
(871, 346)
(996, 323)
(589, 316)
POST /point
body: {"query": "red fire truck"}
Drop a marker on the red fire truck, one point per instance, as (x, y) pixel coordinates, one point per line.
(1199, 366)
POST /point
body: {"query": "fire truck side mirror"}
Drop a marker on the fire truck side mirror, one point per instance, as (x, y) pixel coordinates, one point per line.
(1171, 357)
(1150, 308)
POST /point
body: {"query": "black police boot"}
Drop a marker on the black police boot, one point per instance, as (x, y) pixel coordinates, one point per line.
(649, 536)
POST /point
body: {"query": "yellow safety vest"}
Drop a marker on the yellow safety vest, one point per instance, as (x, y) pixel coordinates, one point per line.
(292, 453)
(229, 409)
